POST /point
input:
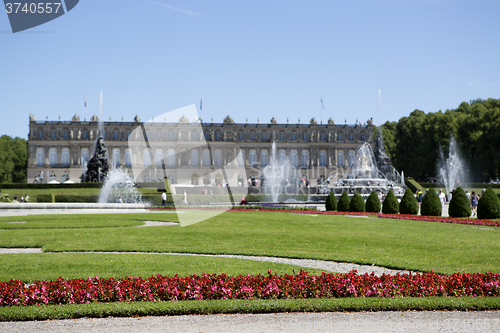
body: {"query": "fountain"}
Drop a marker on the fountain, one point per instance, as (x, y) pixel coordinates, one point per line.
(119, 184)
(367, 175)
(274, 174)
(452, 171)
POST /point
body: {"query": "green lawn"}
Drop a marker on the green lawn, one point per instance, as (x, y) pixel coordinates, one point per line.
(413, 245)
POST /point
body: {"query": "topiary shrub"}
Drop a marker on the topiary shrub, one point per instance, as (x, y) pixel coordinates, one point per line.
(373, 203)
(431, 205)
(459, 204)
(390, 204)
(45, 198)
(331, 202)
(357, 203)
(408, 204)
(344, 202)
(488, 206)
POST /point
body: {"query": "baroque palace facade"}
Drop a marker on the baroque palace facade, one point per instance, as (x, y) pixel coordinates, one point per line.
(194, 151)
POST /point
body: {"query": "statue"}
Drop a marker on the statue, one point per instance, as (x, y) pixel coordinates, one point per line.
(97, 168)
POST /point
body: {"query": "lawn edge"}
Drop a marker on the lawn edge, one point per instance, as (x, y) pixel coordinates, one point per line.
(208, 307)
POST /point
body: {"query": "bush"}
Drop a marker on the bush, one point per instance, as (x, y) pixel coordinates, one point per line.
(331, 202)
(408, 204)
(357, 203)
(488, 206)
(76, 198)
(431, 205)
(344, 203)
(45, 198)
(459, 204)
(373, 203)
(390, 204)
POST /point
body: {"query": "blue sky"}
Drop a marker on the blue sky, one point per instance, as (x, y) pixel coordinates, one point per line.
(255, 59)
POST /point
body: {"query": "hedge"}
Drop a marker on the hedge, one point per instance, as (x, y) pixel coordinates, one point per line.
(357, 203)
(431, 205)
(331, 202)
(45, 198)
(373, 203)
(459, 204)
(488, 206)
(40, 186)
(390, 204)
(344, 202)
(408, 204)
(76, 198)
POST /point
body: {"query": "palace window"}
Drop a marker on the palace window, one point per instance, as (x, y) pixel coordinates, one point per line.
(304, 136)
(65, 157)
(282, 136)
(128, 158)
(241, 136)
(351, 137)
(241, 159)
(351, 158)
(322, 158)
(84, 156)
(218, 157)
(146, 158)
(252, 158)
(170, 157)
(362, 137)
(294, 136)
(52, 134)
(305, 158)
(195, 161)
(40, 134)
(158, 136)
(340, 158)
(159, 158)
(218, 136)
(252, 136)
(322, 137)
(207, 136)
(53, 156)
(40, 157)
(127, 134)
(282, 157)
(264, 136)
(206, 157)
(263, 158)
(116, 157)
(116, 135)
(340, 137)
(66, 134)
(85, 135)
(293, 158)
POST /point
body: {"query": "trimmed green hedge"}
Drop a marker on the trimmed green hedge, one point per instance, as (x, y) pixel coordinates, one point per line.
(373, 204)
(431, 205)
(357, 203)
(470, 185)
(413, 185)
(45, 198)
(408, 204)
(331, 202)
(459, 204)
(344, 202)
(488, 206)
(390, 204)
(75, 198)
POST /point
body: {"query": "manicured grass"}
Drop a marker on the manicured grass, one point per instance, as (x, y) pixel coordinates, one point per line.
(50, 266)
(404, 244)
(100, 310)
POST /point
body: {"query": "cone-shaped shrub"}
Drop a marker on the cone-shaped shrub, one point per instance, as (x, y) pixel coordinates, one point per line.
(488, 206)
(390, 204)
(459, 204)
(344, 202)
(357, 203)
(408, 204)
(373, 203)
(331, 202)
(431, 205)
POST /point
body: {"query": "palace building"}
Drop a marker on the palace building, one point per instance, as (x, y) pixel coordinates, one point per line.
(194, 151)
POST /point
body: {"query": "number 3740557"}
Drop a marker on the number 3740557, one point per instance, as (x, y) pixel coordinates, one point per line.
(32, 8)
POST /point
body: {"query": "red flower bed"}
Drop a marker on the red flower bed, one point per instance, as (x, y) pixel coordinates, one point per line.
(490, 223)
(301, 285)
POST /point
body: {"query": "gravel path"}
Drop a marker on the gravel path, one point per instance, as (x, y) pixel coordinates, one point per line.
(426, 321)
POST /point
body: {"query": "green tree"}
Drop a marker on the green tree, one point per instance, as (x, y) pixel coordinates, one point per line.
(431, 205)
(357, 203)
(408, 204)
(331, 202)
(488, 206)
(344, 202)
(373, 203)
(390, 204)
(459, 204)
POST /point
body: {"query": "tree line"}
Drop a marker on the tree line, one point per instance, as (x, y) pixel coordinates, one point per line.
(13, 159)
(413, 143)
